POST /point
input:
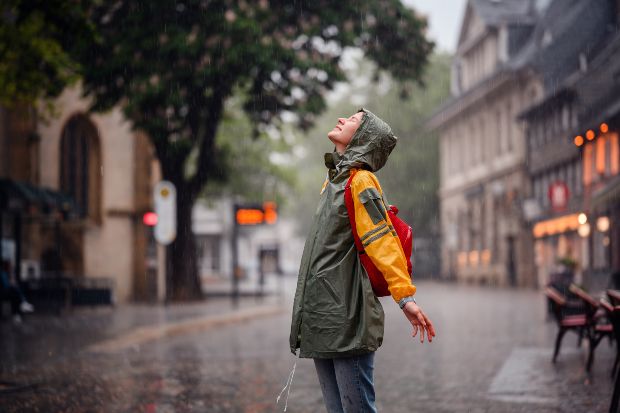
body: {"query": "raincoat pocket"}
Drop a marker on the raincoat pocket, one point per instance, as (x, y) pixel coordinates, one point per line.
(373, 203)
(325, 294)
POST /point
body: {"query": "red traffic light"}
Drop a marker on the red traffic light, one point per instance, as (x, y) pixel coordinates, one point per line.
(149, 219)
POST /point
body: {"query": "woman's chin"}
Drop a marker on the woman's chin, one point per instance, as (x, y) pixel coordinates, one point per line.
(333, 135)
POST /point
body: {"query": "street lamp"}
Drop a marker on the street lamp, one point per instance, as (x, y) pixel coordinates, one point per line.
(602, 224)
(582, 218)
(584, 230)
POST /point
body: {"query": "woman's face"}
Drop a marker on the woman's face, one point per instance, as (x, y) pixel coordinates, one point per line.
(344, 130)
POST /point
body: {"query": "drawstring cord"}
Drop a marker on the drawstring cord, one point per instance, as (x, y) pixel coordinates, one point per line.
(289, 384)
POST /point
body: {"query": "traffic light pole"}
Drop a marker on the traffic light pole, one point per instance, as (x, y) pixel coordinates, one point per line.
(235, 256)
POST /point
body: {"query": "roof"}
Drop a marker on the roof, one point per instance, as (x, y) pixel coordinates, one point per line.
(560, 67)
(566, 29)
(496, 12)
(598, 89)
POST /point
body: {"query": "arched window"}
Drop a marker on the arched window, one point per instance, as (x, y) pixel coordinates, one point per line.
(80, 166)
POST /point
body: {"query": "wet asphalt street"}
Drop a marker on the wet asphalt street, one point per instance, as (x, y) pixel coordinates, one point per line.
(492, 354)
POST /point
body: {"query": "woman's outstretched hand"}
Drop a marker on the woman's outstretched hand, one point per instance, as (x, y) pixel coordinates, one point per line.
(419, 321)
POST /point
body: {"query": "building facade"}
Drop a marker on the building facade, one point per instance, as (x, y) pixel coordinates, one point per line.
(565, 158)
(482, 151)
(106, 173)
(499, 136)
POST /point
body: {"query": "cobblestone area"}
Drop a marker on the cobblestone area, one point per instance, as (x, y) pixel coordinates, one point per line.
(492, 354)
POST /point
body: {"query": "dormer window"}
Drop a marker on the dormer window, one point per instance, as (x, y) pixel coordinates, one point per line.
(547, 38)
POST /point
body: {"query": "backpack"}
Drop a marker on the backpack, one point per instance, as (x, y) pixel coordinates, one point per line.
(405, 236)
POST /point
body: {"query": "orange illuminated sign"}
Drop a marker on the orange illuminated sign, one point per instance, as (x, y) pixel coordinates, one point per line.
(271, 215)
(256, 215)
(556, 226)
(249, 216)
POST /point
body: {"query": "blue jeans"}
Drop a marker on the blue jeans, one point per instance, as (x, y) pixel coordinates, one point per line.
(347, 383)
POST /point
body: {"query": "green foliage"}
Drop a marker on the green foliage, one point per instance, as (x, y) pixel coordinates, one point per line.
(411, 177)
(37, 39)
(172, 65)
(250, 172)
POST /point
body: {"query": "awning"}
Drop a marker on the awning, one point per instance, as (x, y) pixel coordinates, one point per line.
(607, 195)
(555, 226)
(21, 196)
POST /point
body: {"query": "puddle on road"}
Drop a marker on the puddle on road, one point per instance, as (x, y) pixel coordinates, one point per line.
(528, 376)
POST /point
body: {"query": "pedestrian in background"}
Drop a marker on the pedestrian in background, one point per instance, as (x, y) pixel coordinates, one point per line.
(10, 289)
(337, 319)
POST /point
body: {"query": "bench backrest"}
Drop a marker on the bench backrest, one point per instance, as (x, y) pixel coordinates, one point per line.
(591, 305)
(557, 301)
(614, 296)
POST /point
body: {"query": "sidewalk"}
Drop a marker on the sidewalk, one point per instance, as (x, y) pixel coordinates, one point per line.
(45, 338)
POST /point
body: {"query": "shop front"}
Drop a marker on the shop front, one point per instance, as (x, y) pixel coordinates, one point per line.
(560, 249)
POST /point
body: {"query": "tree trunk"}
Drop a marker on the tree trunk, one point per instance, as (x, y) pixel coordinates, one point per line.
(184, 282)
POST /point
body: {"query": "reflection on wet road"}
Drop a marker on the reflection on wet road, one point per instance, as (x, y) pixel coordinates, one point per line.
(492, 354)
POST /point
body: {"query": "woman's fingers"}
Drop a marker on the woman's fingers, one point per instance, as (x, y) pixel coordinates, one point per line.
(430, 328)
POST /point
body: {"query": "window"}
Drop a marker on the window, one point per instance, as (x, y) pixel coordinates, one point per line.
(208, 248)
(600, 154)
(80, 166)
(499, 132)
(509, 126)
(587, 164)
(614, 154)
(565, 117)
(578, 179)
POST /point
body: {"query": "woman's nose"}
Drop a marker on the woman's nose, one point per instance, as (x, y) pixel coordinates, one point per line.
(341, 120)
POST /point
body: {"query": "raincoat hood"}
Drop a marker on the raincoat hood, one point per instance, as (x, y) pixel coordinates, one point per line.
(371, 144)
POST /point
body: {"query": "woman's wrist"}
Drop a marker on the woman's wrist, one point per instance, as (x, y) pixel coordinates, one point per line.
(405, 300)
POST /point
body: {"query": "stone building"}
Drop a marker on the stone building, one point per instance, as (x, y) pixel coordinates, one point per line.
(512, 56)
(558, 183)
(106, 171)
(482, 147)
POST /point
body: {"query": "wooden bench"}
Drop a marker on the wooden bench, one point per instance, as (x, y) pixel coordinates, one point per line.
(597, 325)
(613, 313)
(566, 321)
(614, 297)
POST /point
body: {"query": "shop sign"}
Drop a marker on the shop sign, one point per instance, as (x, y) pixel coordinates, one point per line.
(558, 195)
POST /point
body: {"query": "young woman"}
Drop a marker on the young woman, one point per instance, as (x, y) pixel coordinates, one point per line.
(337, 319)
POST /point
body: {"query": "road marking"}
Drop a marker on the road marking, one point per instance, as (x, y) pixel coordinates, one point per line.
(528, 376)
(143, 335)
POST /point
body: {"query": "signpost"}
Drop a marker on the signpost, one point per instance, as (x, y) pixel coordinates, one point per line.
(165, 196)
(165, 220)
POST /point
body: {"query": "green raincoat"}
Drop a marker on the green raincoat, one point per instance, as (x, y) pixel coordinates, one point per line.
(335, 312)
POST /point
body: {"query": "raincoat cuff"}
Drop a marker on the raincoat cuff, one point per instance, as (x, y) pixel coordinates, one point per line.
(406, 300)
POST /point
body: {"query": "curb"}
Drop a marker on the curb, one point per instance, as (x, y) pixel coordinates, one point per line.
(144, 335)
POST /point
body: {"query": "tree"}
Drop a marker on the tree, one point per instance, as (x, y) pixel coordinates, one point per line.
(171, 66)
(36, 48)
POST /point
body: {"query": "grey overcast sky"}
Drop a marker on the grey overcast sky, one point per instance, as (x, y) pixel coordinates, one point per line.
(444, 20)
